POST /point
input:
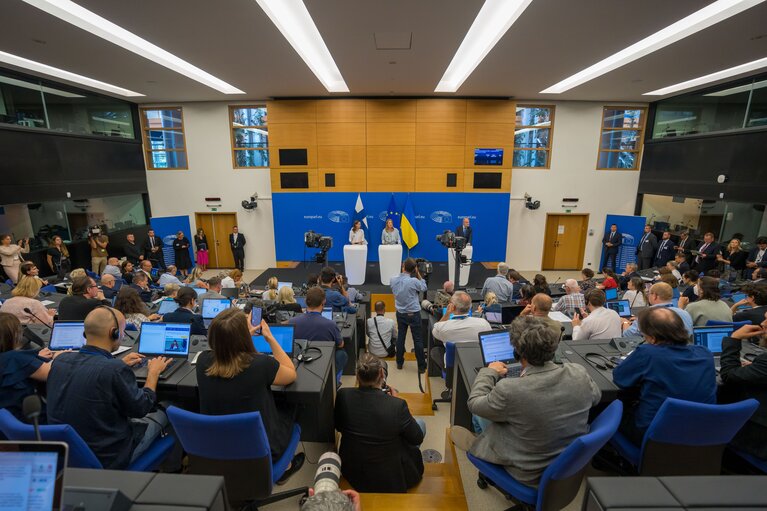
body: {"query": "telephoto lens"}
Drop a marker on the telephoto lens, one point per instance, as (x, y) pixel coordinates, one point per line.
(328, 474)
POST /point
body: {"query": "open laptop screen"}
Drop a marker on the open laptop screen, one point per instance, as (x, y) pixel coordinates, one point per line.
(166, 339)
(283, 334)
(280, 285)
(622, 307)
(611, 294)
(67, 335)
(167, 306)
(494, 317)
(211, 307)
(32, 475)
(496, 347)
(327, 313)
(711, 337)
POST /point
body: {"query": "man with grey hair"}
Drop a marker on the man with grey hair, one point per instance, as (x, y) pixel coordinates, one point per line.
(572, 300)
(456, 325)
(169, 277)
(441, 299)
(626, 276)
(499, 284)
(113, 268)
(108, 286)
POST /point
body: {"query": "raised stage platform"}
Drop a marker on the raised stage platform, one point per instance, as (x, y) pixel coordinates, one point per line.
(298, 274)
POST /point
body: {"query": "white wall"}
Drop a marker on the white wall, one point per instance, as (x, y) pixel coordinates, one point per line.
(572, 174)
(210, 174)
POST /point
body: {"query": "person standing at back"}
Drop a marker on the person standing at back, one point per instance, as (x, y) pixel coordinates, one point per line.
(648, 245)
(665, 252)
(612, 241)
(237, 243)
(706, 258)
(153, 250)
(465, 230)
(132, 251)
(98, 242)
(10, 255)
(382, 332)
(406, 288)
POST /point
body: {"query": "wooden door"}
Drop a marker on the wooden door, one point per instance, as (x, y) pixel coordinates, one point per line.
(217, 228)
(565, 242)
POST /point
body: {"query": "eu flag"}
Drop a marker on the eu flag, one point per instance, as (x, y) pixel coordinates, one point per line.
(393, 213)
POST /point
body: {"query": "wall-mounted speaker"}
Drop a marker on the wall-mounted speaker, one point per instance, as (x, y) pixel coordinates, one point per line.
(488, 180)
(330, 180)
(295, 180)
(452, 180)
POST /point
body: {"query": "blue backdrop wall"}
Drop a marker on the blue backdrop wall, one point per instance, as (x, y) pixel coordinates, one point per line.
(632, 228)
(332, 213)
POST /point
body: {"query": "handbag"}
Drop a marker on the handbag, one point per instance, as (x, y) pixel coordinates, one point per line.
(390, 350)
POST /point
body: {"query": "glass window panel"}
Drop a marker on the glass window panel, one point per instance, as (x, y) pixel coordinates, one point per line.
(531, 137)
(620, 139)
(255, 116)
(251, 158)
(757, 114)
(89, 115)
(533, 116)
(166, 139)
(524, 158)
(170, 118)
(21, 103)
(168, 159)
(620, 118)
(617, 160)
(251, 137)
(675, 121)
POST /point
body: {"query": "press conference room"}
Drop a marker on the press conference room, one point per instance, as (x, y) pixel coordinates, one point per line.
(362, 255)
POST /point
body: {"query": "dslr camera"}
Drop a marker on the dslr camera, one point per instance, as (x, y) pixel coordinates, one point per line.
(424, 266)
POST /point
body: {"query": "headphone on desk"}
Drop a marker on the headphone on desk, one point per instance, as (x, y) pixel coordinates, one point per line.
(600, 361)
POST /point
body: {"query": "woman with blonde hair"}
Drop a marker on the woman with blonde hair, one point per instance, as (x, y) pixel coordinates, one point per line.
(195, 278)
(57, 256)
(77, 272)
(10, 255)
(271, 289)
(25, 297)
(734, 259)
(287, 300)
(233, 280)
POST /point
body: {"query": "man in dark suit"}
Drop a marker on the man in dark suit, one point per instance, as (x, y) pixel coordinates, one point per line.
(237, 242)
(665, 252)
(153, 250)
(685, 245)
(706, 259)
(626, 276)
(380, 439)
(757, 257)
(141, 285)
(612, 240)
(132, 251)
(464, 230)
(648, 245)
(681, 263)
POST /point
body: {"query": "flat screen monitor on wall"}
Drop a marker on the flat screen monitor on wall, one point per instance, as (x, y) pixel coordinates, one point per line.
(294, 180)
(488, 156)
(488, 180)
(293, 157)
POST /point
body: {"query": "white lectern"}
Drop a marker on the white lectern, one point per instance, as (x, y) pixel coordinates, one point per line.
(355, 260)
(389, 261)
(464, 273)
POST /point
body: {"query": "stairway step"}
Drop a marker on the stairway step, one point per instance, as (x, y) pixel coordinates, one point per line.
(421, 502)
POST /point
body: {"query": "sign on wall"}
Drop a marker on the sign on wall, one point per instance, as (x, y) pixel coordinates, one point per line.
(331, 214)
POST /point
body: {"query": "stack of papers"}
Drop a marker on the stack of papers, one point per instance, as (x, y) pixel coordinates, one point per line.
(558, 316)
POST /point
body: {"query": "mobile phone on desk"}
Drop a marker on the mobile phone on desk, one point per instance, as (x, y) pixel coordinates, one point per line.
(255, 317)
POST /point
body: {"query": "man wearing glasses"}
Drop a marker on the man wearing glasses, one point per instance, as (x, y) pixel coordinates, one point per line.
(85, 297)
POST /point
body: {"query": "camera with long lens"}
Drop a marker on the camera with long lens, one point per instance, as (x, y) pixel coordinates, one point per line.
(424, 266)
(448, 239)
(316, 240)
(327, 494)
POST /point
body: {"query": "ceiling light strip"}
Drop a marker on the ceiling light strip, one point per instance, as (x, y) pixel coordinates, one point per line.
(91, 22)
(695, 22)
(45, 69)
(492, 22)
(297, 26)
(713, 77)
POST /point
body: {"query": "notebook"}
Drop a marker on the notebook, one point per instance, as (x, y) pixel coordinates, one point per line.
(163, 340)
(283, 334)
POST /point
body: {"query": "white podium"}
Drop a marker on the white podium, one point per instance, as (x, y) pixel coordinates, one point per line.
(464, 273)
(355, 260)
(389, 261)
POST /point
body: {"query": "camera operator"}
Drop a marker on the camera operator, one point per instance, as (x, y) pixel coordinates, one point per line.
(335, 293)
(380, 439)
(326, 494)
(441, 299)
(98, 242)
(406, 288)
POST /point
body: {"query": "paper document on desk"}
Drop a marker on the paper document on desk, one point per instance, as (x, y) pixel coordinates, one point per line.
(121, 349)
(47, 302)
(558, 316)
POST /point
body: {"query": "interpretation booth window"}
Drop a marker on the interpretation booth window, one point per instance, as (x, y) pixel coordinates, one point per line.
(164, 142)
(250, 136)
(620, 143)
(532, 136)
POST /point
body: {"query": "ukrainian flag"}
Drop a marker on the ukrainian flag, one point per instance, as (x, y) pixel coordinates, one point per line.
(407, 225)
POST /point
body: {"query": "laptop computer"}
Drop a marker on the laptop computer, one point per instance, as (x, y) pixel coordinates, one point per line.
(163, 340)
(199, 290)
(67, 335)
(280, 285)
(494, 317)
(301, 300)
(327, 313)
(231, 292)
(211, 307)
(622, 307)
(711, 337)
(33, 475)
(283, 334)
(167, 306)
(495, 346)
(611, 294)
(510, 312)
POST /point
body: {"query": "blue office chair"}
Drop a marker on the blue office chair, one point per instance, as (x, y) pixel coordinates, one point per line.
(9, 282)
(92, 274)
(686, 438)
(236, 447)
(50, 288)
(447, 375)
(562, 479)
(735, 325)
(130, 327)
(755, 462)
(80, 455)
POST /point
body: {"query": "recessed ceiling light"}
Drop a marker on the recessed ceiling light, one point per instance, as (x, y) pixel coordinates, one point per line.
(38, 87)
(64, 75)
(695, 22)
(91, 22)
(297, 26)
(493, 20)
(713, 77)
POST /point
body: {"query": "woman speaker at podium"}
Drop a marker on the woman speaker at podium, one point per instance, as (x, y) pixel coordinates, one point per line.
(357, 235)
(390, 234)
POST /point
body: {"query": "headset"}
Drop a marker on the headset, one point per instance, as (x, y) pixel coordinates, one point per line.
(114, 333)
(600, 361)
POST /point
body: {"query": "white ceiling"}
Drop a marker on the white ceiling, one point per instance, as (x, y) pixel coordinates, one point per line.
(235, 41)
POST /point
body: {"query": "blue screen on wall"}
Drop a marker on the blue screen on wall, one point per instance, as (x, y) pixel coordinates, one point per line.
(331, 214)
(488, 156)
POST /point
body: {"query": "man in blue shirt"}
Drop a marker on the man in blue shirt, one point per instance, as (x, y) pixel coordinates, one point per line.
(97, 394)
(500, 285)
(336, 298)
(313, 327)
(660, 295)
(406, 288)
(665, 366)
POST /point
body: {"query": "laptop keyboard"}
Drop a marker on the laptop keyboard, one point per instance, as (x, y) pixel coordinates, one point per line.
(514, 370)
(142, 366)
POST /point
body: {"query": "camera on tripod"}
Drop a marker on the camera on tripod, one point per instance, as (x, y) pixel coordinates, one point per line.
(448, 239)
(316, 240)
(424, 266)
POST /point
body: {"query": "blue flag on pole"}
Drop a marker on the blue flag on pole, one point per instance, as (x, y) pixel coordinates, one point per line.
(392, 213)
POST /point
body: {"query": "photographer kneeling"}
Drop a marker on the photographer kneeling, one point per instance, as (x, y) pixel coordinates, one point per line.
(380, 438)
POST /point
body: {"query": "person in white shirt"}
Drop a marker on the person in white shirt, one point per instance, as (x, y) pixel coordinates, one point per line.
(169, 277)
(636, 294)
(600, 322)
(461, 328)
(357, 235)
(382, 332)
(674, 267)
